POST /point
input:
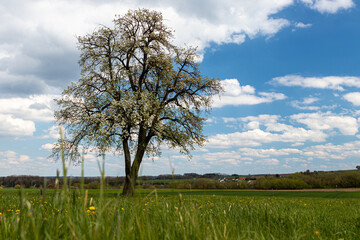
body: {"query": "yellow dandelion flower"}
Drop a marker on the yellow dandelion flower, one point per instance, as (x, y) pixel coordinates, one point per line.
(317, 232)
(122, 209)
(92, 208)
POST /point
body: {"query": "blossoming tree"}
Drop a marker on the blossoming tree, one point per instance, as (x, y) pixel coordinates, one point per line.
(137, 91)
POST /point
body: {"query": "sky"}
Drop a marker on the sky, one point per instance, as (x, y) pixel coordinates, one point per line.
(290, 70)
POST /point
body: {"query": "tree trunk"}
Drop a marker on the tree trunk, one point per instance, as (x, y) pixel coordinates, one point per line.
(130, 179)
(132, 173)
(129, 186)
(131, 176)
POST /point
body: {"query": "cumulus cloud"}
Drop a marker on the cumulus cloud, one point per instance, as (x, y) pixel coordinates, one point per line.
(304, 105)
(328, 121)
(330, 82)
(34, 108)
(273, 156)
(15, 127)
(353, 97)
(11, 158)
(262, 129)
(52, 133)
(235, 95)
(302, 25)
(38, 44)
(329, 6)
(47, 146)
(269, 161)
(257, 137)
(262, 118)
(331, 151)
(37, 38)
(266, 153)
(254, 122)
(229, 156)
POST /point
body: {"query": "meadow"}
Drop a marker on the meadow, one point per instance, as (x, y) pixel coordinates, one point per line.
(178, 214)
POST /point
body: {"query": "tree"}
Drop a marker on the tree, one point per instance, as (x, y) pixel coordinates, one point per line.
(137, 91)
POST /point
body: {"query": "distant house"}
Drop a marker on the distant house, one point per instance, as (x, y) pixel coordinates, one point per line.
(235, 179)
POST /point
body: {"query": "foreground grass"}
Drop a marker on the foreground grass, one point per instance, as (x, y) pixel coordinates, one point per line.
(174, 215)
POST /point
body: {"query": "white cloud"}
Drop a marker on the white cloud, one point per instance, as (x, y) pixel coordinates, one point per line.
(10, 158)
(329, 6)
(269, 161)
(330, 151)
(253, 125)
(353, 97)
(53, 132)
(229, 120)
(54, 24)
(266, 153)
(15, 127)
(327, 121)
(47, 146)
(213, 157)
(302, 25)
(297, 144)
(310, 100)
(35, 108)
(330, 82)
(38, 44)
(254, 122)
(257, 137)
(274, 132)
(265, 128)
(235, 95)
(303, 105)
(222, 22)
(262, 118)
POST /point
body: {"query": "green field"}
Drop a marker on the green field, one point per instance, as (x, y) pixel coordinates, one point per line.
(173, 214)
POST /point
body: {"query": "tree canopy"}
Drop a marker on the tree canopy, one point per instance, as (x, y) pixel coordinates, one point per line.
(137, 91)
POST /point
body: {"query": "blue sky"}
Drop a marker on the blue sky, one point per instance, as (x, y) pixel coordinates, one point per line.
(290, 69)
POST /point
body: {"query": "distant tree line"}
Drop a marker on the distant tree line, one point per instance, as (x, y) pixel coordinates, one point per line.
(305, 180)
(301, 180)
(27, 181)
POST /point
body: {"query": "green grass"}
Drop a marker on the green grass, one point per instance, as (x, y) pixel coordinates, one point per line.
(257, 193)
(172, 214)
